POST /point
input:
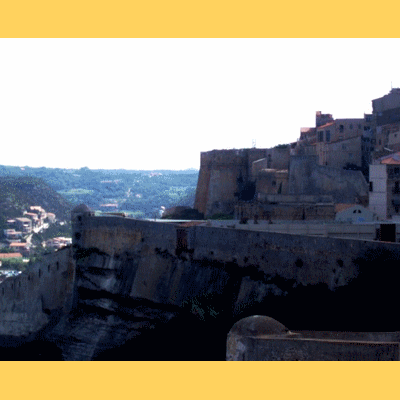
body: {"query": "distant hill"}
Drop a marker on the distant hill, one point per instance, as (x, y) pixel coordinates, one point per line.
(18, 193)
(140, 194)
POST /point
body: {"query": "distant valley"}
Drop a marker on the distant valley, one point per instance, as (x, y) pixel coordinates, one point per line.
(140, 194)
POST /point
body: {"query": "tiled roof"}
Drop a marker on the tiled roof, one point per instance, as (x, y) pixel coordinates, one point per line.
(10, 255)
(392, 159)
(326, 125)
(341, 207)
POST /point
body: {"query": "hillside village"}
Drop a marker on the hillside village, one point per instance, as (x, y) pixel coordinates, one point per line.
(17, 238)
(340, 169)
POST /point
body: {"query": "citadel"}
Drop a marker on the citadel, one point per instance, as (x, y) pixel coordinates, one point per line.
(307, 269)
(339, 161)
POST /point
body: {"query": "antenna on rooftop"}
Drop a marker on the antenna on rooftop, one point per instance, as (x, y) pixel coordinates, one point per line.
(253, 143)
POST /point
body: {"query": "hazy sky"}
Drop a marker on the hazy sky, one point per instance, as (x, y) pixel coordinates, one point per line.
(157, 103)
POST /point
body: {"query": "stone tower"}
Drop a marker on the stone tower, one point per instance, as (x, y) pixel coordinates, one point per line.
(78, 215)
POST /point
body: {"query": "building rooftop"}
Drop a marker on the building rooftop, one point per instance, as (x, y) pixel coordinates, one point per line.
(341, 206)
(326, 125)
(23, 219)
(392, 159)
(10, 255)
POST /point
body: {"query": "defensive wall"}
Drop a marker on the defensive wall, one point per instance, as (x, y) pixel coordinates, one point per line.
(313, 283)
(260, 338)
(307, 177)
(344, 230)
(28, 300)
(281, 273)
(226, 172)
(227, 176)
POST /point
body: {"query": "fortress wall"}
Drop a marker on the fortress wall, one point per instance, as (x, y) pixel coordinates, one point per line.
(275, 348)
(284, 275)
(306, 177)
(171, 265)
(47, 286)
(115, 234)
(143, 253)
(149, 253)
(282, 254)
(220, 170)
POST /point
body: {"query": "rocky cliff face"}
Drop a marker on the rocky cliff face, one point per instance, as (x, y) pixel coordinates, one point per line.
(134, 298)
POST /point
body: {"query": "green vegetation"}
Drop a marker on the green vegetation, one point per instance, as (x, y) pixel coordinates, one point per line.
(138, 193)
(13, 264)
(18, 193)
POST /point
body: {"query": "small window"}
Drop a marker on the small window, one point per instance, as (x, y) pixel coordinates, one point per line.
(341, 128)
(274, 183)
(328, 136)
(371, 186)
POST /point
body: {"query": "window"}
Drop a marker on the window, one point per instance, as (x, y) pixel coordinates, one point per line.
(371, 186)
(321, 136)
(341, 128)
(328, 136)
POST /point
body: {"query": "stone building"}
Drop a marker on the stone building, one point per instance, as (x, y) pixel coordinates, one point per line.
(384, 186)
(339, 143)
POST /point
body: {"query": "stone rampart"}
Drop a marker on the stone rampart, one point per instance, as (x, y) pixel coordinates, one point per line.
(306, 177)
(260, 338)
(224, 173)
(171, 264)
(27, 300)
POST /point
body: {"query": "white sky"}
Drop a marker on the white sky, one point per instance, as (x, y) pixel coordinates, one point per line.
(157, 103)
